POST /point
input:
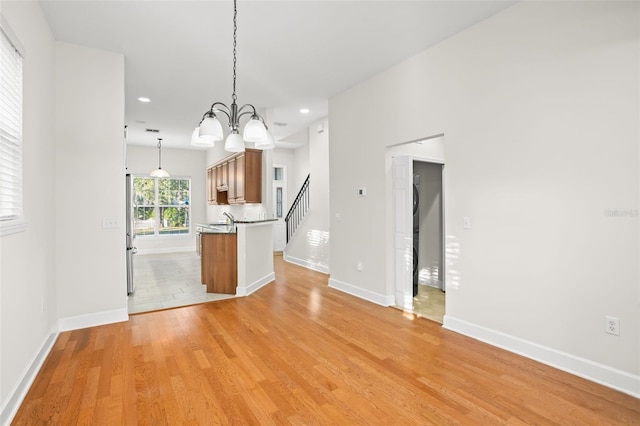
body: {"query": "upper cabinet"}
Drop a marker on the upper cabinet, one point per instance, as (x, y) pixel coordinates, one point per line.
(237, 179)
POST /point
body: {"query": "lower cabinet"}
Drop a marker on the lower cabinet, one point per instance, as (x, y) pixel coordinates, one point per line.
(219, 262)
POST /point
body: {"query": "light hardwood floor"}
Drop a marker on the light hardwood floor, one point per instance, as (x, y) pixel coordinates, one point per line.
(299, 352)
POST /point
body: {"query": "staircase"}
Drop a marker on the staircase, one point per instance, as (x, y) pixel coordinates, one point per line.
(298, 209)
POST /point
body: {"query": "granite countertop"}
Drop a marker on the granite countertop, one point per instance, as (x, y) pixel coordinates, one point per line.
(226, 228)
(215, 228)
(256, 221)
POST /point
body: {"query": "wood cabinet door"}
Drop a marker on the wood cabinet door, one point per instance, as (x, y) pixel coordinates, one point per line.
(240, 172)
(231, 170)
(253, 176)
(211, 185)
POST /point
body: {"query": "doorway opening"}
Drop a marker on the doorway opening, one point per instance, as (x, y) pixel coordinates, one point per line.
(428, 237)
(418, 226)
(279, 207)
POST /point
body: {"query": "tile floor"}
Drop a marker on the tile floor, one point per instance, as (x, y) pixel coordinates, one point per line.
(167, 281)
(429, 303)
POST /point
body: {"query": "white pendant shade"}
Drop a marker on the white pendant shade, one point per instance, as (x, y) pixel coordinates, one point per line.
(211, 127)
(269, 143)
(234, 143)
(254, 131)
(204, 141)
(160, 173)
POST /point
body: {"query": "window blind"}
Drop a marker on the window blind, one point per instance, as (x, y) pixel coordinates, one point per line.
(10, 130)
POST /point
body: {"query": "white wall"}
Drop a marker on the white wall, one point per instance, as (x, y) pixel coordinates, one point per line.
(539, 105)
(90, 260)
(179, 163)
(28, 311)
(309, 246)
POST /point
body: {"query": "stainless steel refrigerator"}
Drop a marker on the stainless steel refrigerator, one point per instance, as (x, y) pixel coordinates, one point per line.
(131, 250)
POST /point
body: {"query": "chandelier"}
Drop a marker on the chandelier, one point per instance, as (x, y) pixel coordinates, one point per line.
(210, 128)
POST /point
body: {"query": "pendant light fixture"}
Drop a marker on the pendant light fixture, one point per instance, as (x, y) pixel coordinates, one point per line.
(159, 172)
(210, 129)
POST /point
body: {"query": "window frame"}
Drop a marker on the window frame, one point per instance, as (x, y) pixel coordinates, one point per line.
(17, 222)
(156, 207)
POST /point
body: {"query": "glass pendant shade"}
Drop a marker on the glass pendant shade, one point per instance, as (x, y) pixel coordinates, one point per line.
(234, 143)
(204, 141)
(160, 173)
(270, 143)
(254, 131)
(211, 127)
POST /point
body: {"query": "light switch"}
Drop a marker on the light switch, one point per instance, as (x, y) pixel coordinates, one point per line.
(109, 222)
(466, 223)
(338, 217)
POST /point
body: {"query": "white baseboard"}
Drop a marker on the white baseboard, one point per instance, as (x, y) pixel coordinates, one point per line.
(165, 250)
(91, 320)
(371, 296)
(306, 263)
(17, 394)
(245, 291)
(607, 376)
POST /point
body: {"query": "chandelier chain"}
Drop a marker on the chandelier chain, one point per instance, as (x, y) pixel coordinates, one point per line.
(235, 30)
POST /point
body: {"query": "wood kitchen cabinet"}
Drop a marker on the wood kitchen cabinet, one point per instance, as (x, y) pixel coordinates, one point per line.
(222, 173)
(231, 170)
(239, 186)
(238, 178)
(212, 192)
(219, 262)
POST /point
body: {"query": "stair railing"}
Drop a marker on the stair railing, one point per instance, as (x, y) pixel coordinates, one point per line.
(298, 209)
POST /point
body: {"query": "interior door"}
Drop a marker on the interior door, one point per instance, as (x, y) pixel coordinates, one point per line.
(402, 181)
(279, 207)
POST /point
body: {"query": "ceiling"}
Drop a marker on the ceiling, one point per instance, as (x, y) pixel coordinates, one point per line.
(290, 54)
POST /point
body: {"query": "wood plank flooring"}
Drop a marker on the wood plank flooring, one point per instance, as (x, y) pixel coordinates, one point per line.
(298, 352)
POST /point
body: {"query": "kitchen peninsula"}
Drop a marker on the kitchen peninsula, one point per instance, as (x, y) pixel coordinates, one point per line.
(236, 258)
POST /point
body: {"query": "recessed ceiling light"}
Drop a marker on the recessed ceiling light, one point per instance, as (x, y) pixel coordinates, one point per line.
(304, 111)
(143, 99)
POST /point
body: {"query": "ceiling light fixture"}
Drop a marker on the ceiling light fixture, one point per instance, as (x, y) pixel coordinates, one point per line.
(143, 99)
(304, 111)
(159, 172)
(255, 130)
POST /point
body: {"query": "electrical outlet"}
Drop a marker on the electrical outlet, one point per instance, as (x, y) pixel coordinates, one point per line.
(612, 325)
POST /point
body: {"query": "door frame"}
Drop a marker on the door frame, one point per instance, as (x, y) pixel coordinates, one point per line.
(402, 229)
(284, 184)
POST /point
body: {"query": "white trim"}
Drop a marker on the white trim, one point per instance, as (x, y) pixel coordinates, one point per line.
(581, 367)
(305, 263)
(13, 226)
(19, 391)
(92, 320)
(11, 35)
(245, 291)
(164, 250)
(371, 296)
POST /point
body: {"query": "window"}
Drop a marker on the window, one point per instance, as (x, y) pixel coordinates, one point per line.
(279, 202)
(11, 215)
(278, 173)
(161, 206)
